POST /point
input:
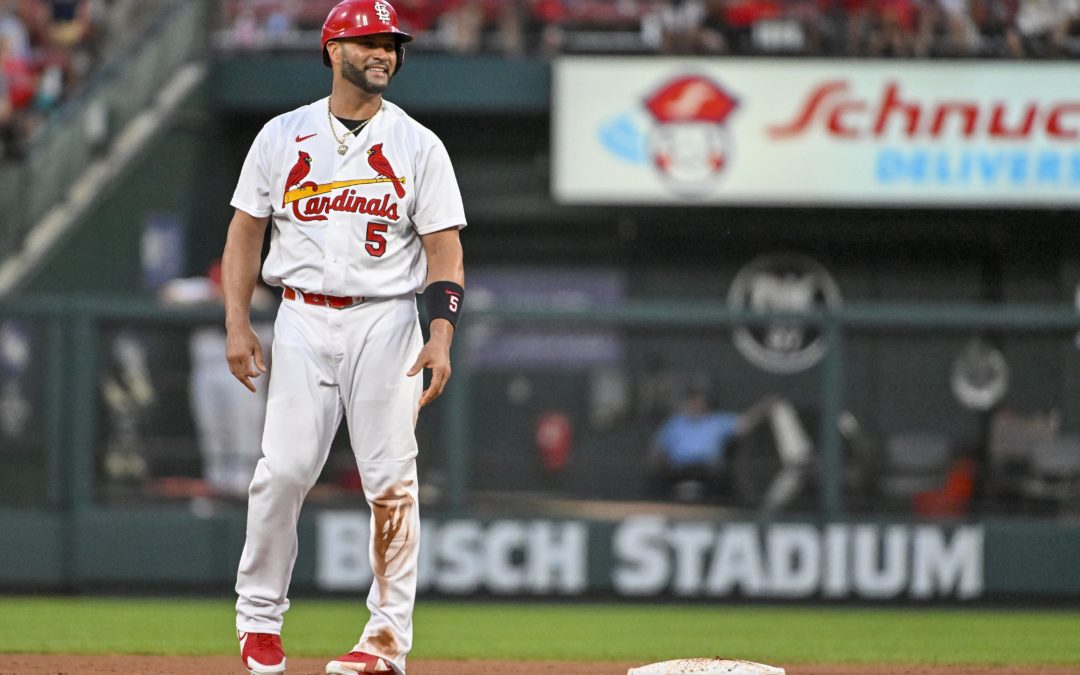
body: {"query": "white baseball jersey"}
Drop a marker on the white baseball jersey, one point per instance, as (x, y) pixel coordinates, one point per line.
(340, 226)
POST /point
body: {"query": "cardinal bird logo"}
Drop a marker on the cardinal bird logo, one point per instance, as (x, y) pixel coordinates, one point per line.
(377, 160)
(297, 173)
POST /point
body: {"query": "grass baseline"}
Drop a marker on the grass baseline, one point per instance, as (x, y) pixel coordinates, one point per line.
(578, 632)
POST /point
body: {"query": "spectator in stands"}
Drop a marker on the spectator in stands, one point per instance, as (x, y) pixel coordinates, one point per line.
(1042, 27)
(510, 22)
(20, 85)
(71, 23)
(461, 26)
(899, 28)
(13, 30)
(813, 19)
(7, 112)
(994, 20)
(739, 18)
(676, 27)
(896, 23)
(550, 17)
(418, 16)
(858, 21)
(952, 20)
(687, 458)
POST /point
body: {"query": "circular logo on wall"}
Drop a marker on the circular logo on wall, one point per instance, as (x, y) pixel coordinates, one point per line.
(782, 282)
(980, 375)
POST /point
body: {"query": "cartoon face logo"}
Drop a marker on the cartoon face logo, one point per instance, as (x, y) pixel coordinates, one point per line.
(690, 144)
(383, 12)
(681, 131)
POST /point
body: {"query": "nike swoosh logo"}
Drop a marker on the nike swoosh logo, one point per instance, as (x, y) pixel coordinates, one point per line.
(300, 139)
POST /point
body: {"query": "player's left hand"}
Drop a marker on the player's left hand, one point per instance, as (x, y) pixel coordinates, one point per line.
(436, 356)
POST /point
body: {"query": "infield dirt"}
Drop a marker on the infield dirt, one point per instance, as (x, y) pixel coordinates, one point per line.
(39, 664)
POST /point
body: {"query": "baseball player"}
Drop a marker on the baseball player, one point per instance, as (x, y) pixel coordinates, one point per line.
(229, 420)
(365, 212)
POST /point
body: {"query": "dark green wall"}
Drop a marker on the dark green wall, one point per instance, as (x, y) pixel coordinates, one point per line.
(428, 83)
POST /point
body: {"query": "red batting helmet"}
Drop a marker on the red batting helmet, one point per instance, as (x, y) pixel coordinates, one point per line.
(355, 18)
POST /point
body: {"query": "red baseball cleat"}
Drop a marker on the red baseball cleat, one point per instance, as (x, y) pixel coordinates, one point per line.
(261, 653)
(359, 662)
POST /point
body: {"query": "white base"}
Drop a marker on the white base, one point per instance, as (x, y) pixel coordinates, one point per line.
(706, 667)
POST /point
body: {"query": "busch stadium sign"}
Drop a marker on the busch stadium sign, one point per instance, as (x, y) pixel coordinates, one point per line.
(797, 561)
(650, 556)
(816, 132)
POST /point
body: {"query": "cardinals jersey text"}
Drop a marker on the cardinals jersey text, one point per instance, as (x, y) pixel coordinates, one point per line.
(348, 224)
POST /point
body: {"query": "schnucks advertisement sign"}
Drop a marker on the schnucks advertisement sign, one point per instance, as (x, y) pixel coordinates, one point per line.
(701, 131)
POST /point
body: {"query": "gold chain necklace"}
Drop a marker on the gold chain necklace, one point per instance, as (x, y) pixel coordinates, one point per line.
(342, 148)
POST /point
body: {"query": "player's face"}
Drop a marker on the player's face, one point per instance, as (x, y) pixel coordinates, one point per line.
(368, 62)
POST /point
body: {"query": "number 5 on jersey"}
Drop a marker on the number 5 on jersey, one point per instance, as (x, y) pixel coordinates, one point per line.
(376, 241)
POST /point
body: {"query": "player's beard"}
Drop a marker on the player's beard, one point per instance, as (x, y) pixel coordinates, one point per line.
(360, 79)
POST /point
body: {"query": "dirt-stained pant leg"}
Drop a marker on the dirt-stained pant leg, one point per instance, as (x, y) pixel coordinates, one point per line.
(381, 406)
(303, 412)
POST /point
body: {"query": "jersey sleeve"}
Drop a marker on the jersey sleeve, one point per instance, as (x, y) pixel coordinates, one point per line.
(252, 194)
(438, 203)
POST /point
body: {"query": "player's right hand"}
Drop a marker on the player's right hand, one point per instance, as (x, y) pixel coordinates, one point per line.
(244, 354)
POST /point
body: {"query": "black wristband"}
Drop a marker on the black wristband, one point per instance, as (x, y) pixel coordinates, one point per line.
(442, 300)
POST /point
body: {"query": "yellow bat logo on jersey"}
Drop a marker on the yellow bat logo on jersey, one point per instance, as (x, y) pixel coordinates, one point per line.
(315, 206)
(310, 189)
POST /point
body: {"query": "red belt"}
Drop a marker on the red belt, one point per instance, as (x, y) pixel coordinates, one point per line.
(332, 301)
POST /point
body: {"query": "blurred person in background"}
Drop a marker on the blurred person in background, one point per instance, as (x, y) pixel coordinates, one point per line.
(676, 27)
(20, 83)
(419, 16)
(7, 111)
(813, 18)
(509, 20)
(688, 455)
(46, 49)
(228, 419)
(471, 26)
(994, 20)
(14, 31)
(960, 35)
(897, 23)
(128, 394)
(1042, 26)
(739, 18)
(548, 19)
(461, 26)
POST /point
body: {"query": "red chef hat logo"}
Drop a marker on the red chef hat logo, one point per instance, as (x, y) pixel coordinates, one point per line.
(691, 99)
(690, 145)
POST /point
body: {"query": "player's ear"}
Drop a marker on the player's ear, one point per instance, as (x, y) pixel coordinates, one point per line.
(333, 49)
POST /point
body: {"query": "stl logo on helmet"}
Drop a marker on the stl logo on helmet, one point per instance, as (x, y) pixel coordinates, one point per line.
(311, 201)
(383, 12)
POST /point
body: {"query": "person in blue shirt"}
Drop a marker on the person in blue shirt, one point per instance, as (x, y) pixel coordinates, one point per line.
(688, 452)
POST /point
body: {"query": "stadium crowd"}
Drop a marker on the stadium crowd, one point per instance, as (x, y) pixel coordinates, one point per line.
(859, 28)
(46, 48)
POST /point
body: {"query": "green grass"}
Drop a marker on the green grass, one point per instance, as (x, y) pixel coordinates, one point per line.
(591, 632)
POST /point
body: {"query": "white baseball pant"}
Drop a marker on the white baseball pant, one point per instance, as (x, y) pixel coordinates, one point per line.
(328, 363)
